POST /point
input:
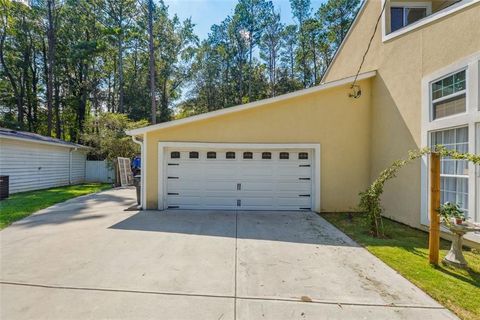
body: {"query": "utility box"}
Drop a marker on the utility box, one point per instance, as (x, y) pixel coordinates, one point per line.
(4, 187)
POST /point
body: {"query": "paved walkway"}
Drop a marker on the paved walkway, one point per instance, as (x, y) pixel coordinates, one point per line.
(88, 258)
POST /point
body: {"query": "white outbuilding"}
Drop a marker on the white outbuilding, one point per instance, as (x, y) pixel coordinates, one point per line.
(32, 161)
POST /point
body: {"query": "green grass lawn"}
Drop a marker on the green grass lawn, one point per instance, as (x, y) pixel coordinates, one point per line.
(21, 205)
(406, 250)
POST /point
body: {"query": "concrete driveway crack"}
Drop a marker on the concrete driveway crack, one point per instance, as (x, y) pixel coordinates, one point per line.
(235, 297)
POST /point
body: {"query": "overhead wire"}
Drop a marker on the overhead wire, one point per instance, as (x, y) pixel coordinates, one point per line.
(369, 45)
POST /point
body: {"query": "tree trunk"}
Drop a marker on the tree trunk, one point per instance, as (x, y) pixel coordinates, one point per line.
(33, 108)
(241, 84)
(292, 63)
(50, 63)
(152, 63)
(58, 131)
(10, 77)
(250, 69)
(314, 62)
(164, 102)
(115, 83)
(120, 75)
(274, 72)
(120, 63)
(109, 95)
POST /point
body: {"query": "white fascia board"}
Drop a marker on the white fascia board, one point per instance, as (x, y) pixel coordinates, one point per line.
(45, 142)
(251, 105)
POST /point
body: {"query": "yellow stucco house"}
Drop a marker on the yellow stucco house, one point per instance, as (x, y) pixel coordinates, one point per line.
(317, 148)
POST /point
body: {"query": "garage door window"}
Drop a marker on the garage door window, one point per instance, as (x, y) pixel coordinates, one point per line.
(266, 155)
(303, 156)
(175, 155)
(247, 155)
(284, 155)
(193, 155)
(230, 155)
(211, 155)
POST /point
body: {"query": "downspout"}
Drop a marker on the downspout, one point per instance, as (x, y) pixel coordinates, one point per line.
(142, 171)
(70, 165)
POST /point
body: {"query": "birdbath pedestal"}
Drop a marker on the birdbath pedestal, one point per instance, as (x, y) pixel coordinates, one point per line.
(455, 256)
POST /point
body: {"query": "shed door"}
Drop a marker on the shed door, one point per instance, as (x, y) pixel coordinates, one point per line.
(238, 179)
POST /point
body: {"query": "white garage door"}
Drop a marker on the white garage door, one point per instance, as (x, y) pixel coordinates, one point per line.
(239, 179)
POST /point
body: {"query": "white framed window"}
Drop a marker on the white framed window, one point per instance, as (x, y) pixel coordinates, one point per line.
(403, 14)
(400, 17)
(448, 95)
(453, 173)
(477, 169)
(451, 117)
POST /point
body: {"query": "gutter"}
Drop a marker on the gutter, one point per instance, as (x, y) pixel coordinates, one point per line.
(65, 145)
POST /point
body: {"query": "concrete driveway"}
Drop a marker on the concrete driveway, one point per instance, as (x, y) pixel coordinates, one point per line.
(88, 258)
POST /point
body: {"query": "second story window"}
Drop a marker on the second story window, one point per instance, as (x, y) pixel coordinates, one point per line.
(448, 95)
(404, 13)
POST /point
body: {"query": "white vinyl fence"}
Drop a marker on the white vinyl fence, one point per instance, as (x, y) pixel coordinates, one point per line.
(99, 171)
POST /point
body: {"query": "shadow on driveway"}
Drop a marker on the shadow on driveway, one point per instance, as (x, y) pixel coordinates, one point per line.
(286, 226)
(88, 207)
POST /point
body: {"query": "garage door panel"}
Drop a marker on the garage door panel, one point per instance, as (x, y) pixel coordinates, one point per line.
(256, 170)
(221, 194)
(298, 186)
(219, 186)
(288, 173)
(298, 202)
(240, 183)
(175, 194)
(214, 170)
(293, 194)
(183, 185)
(214, 201)
(186, 174)
(257, 186)
(184, 200)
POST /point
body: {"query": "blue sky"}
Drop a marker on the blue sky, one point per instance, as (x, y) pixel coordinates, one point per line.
(205, 13)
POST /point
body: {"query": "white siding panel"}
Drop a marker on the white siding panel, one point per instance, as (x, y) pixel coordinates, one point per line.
(78, 166)
(33, 166)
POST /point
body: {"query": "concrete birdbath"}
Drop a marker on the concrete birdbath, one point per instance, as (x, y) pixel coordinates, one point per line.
(455, 256)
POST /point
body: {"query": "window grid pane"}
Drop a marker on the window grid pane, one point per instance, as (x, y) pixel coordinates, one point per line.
(449, 85)
(414, 14)
(447, 97)
(396, 18)
(453, 173)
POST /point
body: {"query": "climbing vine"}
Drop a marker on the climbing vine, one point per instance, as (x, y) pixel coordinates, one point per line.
(370, 199)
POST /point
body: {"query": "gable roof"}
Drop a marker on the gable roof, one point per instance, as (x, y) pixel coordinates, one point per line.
(250, 105)
(354, 22)
(33, 137)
